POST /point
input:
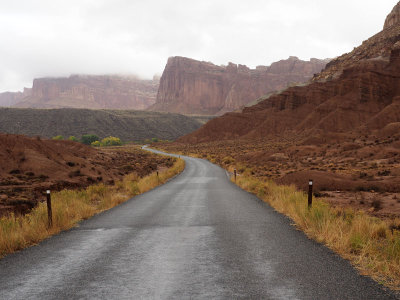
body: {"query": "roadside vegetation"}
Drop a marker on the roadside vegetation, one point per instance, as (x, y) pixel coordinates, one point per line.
(371, 244)
(71, 206)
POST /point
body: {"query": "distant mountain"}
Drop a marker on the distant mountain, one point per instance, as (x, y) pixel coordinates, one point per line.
(126, 124)
(189, 86)
(86, 91)
(357, 93)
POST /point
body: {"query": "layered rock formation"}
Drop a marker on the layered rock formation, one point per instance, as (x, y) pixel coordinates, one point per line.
(194, 87)
(96, 92)
(362, 97)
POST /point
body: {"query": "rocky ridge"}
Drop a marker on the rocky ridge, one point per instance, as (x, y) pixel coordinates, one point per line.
(377, 47)
(95, 92)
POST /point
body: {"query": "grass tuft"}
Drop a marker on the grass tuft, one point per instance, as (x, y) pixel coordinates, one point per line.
(368, 242)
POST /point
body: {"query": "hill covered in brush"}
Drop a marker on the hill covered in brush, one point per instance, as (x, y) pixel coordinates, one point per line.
(128, 125)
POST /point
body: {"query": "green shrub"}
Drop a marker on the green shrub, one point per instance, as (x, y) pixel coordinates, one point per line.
(57, 137)
(88, 139)
(72, 138)
(154, 140)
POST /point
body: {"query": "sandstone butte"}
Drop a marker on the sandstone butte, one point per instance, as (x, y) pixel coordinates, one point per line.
(357, 93)
(84, 91)
(189, 86)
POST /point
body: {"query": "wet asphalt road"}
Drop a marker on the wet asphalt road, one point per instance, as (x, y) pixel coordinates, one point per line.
(198, 236)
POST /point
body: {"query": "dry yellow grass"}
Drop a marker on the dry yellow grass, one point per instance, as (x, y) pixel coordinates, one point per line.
(366, 241)
(71, 206)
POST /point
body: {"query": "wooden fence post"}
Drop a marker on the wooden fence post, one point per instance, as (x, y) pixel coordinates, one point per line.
(310, 188)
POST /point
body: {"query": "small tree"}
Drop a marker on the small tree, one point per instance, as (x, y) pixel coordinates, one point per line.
(111, 141)
(72, 138)
(88, 139)
(58, 137)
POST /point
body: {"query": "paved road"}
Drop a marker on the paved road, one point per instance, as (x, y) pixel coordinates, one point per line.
(198, 236)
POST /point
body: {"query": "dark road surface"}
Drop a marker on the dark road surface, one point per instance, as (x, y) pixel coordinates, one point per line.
(198, 236)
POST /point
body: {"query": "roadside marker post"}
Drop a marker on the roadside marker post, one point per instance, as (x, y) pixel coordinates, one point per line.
(49, 212)
(234, 171)
(310, 188)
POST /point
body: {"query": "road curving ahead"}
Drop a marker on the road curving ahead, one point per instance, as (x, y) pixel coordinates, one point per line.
(198, 236)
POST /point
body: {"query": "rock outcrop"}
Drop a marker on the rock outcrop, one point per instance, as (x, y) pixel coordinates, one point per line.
(95, 92)
(378, 46)
(363, 99)
(393, 18)
(195, 87)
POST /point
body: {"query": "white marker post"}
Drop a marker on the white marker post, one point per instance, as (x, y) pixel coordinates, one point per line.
(49, 212)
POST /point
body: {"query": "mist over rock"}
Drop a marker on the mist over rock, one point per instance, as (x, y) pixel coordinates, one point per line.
(189, 86)
(87, 91)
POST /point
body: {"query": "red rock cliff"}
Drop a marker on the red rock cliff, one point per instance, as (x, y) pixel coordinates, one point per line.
(193, 87)
(97, 92)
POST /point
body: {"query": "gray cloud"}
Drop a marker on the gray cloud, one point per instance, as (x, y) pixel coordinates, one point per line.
(59, 37)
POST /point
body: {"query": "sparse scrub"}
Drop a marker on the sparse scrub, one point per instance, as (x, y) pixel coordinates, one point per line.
(58, 137)
(72, 138)
(368, 242)
(71, 206)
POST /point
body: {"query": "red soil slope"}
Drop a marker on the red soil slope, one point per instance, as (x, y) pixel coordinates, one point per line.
(29, 166)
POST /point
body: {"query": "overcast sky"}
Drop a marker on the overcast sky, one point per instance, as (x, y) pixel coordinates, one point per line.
(61, 37)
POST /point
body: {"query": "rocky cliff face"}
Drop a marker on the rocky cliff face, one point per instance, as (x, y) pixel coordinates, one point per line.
(96, 92)
(194, 87)
(378, 46)
(364, 99)
(393, 18)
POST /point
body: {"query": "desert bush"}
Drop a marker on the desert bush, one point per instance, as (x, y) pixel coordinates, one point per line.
(154, 140)
(111, 141)
(88, 139)
(57, 137)
(96, 144)
(72, 138)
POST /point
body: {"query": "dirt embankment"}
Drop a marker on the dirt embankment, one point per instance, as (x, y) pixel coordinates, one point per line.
(29, 166)
(361, 172)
